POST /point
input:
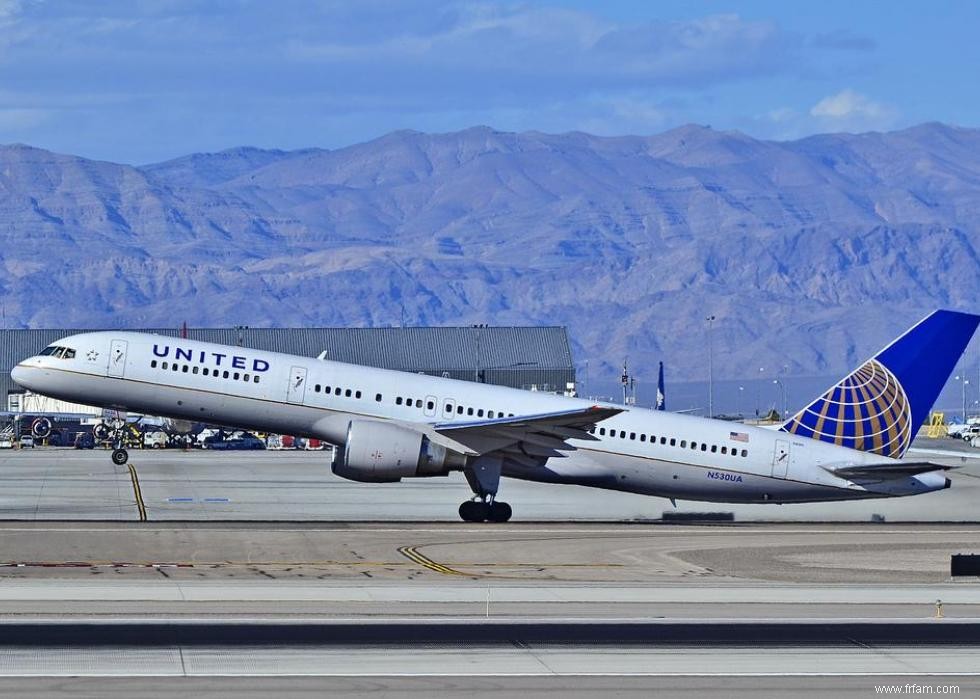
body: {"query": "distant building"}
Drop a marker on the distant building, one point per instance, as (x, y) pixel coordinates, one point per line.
(533, 358)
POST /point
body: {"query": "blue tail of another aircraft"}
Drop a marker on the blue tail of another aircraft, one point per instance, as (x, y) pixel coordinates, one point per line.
(880, 405)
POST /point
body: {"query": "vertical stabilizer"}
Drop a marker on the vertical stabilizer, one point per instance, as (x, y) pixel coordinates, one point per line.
(880, 405)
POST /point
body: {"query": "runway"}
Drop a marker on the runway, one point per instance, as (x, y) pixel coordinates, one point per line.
(170, 485)
(210, 594)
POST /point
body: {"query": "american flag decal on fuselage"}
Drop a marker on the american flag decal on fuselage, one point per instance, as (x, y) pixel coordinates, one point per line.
(868, 411)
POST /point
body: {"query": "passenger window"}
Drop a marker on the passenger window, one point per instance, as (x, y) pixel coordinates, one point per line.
(347, 393)
(194, 370)
(237, 376)
(663, 440)
(489, 413)
(460, 409)
(673, 441)
(714, 448)
(326, 389)
(704, 447)
(510, 414)
(255, 379)
(398, 400)
(447, 409)
(633, 435)
(186, 369)
(592, 430)
(429, 405)
(694, 445)
(316, 388)
(745, 452)
(357, 394)
(602, 431)
(479, 413)
(175, 367)
(153, 364)
(469, 411)
(377, 397)
(336, 391)
(225, 374)
(622, 434)
(683, 443)
(643, 437)
(206, 371)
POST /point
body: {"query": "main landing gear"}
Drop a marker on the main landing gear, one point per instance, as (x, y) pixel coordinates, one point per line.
(483, 475)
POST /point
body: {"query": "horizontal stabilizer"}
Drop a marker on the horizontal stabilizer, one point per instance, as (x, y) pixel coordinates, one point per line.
(886, 471)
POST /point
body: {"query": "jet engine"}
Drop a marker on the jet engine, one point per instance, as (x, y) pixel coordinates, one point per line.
(381, 452)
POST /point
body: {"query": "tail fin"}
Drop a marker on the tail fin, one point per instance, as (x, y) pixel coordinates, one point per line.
(879, 406)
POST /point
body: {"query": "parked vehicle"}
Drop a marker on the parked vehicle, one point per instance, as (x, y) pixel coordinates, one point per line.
(970, 433)
(6, 443)
(26, 441)
(155, 440)
(247, 442)
(84, 440)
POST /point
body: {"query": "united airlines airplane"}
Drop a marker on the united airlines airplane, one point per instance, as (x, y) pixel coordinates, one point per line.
(389, 425)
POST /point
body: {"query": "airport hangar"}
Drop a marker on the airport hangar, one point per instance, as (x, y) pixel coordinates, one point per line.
(532, 358)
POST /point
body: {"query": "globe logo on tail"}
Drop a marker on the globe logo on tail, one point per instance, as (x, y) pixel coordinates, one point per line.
(869, 411)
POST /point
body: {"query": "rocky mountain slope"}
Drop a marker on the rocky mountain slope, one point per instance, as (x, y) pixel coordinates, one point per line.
(809, 253)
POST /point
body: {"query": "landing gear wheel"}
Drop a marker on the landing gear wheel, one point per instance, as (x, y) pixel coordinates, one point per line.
(120, 456)
(474, 511)
(499, 512)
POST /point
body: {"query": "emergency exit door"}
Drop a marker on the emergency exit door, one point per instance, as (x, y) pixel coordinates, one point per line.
(780, 459)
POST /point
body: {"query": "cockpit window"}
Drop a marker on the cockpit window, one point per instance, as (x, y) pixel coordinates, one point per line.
(59, 352)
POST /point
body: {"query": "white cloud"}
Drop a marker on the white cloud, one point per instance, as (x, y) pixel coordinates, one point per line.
(848, 104)
(850, 110)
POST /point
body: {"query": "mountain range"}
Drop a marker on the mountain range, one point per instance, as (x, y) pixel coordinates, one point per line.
(810, 254)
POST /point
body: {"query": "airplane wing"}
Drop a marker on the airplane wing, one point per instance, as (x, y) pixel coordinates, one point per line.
(527, 439)
(887, 470)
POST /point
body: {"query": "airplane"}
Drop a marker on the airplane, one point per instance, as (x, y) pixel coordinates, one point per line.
(389, 425)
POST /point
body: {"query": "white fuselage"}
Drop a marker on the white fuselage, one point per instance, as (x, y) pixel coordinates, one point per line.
(639, 450)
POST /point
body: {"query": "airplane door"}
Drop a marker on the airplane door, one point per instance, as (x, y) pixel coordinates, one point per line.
(117, 357)
(297, 385)
(780, 459)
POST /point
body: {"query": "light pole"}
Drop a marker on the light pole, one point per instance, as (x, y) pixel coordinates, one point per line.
(711, 391)
(758, 390)
(782, 388)
(738, 400)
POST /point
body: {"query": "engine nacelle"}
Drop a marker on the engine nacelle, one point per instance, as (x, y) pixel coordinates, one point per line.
(381, 452)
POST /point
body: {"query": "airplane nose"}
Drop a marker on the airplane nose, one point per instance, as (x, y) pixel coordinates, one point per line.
(22, 375)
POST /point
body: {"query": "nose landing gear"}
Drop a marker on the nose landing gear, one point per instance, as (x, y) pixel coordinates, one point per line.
(113, 432)
(483, 475)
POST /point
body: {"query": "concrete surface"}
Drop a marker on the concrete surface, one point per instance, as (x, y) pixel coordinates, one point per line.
(46, 483)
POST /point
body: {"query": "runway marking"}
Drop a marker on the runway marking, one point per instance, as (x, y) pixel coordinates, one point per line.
(139, 494)
(411, 553)
(196, 564)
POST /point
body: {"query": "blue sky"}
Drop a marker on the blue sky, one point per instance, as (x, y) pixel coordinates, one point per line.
(139, 81)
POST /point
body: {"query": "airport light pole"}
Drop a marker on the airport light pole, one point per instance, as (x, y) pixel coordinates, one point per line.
(738, 400)
(711, 391)
(782, 387)
(758, 391)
